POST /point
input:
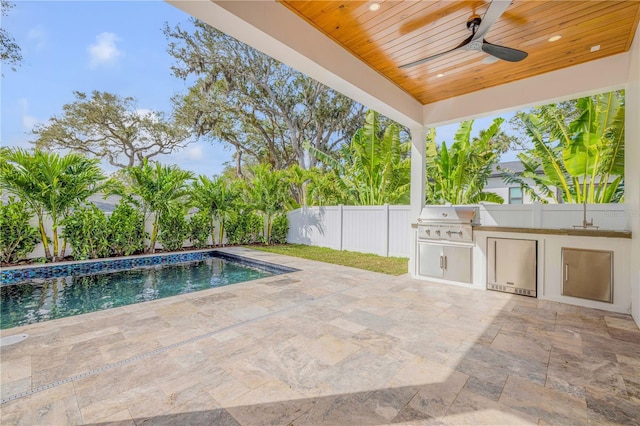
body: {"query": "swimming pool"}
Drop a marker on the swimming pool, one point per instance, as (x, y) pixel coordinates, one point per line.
(41, 299)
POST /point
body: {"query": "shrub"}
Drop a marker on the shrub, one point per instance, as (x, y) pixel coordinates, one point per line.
(17, 237)
(173, 228)
(244, 228)
(279, 229)
(86, 231)
(126, 230)
(200, 229)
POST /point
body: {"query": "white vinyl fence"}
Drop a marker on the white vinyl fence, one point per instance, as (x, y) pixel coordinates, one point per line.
(383, 230)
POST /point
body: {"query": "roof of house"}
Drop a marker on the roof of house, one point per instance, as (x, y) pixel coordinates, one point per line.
(514, 166)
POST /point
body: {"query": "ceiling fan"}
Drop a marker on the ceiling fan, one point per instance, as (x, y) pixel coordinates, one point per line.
(479, 27)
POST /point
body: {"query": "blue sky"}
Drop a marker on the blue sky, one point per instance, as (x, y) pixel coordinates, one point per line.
(113, 46)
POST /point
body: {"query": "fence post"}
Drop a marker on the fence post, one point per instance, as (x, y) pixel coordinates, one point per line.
(387, 230)
(341, 212)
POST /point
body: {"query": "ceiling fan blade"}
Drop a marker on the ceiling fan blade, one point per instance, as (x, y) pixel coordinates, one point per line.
(437, 55)
(495, 11)
(504, 53)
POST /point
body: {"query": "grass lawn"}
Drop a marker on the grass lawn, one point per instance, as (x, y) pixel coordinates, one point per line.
(370, 262)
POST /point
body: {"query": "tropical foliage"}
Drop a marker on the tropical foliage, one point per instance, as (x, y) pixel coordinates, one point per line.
(199, 229)
(126, 229)
(280, 229)
(458, 174)
(373, 169)
(51, 185)
(322, 188)
(17, 237)
(173, 228)
(244, 226)
(267, 193)
(87, 231)
(581, 154)
(578, 146)
(216, 198)
(157, 188)
(297, 179)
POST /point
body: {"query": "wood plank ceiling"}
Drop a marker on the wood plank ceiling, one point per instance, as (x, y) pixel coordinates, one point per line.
(400, 32)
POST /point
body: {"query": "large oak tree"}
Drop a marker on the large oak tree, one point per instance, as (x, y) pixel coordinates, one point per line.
(266, 110)
(111, 127)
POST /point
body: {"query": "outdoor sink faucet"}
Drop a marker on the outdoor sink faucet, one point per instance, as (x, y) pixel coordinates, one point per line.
(585, 224)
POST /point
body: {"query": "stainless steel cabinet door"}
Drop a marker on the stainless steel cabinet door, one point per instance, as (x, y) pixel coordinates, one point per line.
(512, 263)
(587, 274)
(430, 260)
(457, 264)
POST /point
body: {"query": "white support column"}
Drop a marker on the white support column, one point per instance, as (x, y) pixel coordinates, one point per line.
(632, 172)
(418, 177)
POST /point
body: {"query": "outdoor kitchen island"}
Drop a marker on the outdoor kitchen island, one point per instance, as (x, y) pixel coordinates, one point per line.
(558, 275)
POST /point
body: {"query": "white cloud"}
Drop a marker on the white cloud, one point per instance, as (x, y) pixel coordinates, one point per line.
(104, 51)
(194, 153)
(28, 121)
(38, 37)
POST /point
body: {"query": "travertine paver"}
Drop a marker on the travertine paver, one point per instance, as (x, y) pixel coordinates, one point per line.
(328, 345)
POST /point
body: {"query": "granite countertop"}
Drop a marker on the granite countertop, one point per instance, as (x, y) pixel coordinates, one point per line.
(575, 232)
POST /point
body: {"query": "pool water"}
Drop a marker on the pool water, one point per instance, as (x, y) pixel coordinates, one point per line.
(46, 299)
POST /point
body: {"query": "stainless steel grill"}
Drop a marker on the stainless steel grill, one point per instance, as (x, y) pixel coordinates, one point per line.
(445, 242)
(447, 223)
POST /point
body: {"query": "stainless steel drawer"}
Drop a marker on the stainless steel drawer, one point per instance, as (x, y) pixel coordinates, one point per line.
(587, 274)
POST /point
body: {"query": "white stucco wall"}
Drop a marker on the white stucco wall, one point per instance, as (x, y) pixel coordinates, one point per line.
(632, 170)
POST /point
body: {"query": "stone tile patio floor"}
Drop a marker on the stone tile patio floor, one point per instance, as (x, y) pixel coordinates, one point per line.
(327, 345)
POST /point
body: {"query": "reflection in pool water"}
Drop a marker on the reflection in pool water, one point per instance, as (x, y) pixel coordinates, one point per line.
(46, 299)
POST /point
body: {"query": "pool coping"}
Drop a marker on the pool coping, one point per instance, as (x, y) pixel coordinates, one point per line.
(17, 274)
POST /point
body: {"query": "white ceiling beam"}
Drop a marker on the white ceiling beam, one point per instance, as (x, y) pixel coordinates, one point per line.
(602, 75)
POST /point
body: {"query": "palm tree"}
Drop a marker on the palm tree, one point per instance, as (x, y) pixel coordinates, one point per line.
(375, 167)
(298, 179)
(156, 188)
(216, 197)
(267, 192)
(18, 176)
(458, 174)
(582, 155)
(323, 189)
(51, 184)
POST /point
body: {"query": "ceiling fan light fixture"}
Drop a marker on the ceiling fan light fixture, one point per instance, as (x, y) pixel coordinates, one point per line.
(489, 59)
(476, 41)
(554, 38)
(374, 7)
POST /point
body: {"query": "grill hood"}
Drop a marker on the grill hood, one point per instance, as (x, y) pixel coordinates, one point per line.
(449, 215)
